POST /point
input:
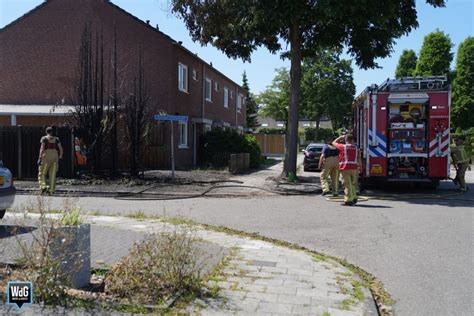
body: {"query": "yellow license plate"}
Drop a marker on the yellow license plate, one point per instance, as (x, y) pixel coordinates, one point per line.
(1, 180)
(376, 169)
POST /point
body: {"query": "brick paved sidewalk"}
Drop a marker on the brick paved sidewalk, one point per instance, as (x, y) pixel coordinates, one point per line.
(258, 277)
(267, 279)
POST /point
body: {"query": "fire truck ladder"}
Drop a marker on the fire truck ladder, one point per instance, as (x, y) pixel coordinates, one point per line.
(414, 83)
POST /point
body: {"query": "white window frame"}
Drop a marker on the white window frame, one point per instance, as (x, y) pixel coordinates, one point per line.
(231, 94)
(195, 74)
(240, 101)
(226, 97)
(182, 77)
(208, 98)
(216, 86)
(183, 138)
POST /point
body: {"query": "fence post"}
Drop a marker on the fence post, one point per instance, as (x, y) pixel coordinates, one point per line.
(19, 175)
(73, 153)
(265, 149)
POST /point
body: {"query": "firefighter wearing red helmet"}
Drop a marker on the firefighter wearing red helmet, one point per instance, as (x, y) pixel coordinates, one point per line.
(349, 164)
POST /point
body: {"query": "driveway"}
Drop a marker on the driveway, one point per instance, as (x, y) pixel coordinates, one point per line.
(422, 249)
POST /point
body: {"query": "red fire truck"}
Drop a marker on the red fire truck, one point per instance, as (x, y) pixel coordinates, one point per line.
(402, 128)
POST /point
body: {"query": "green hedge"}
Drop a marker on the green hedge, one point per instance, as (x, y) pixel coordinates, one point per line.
(267, 130)
(323, 133)
(218, 141)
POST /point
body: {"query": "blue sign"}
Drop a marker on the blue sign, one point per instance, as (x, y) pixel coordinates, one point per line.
(171, 118)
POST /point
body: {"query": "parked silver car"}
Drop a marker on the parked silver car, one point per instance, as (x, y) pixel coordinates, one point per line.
(7, 190)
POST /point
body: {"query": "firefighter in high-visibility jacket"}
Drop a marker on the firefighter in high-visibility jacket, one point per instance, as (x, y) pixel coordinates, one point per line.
(460, 160)
(50, 153)
(328, 163)
(348, 166)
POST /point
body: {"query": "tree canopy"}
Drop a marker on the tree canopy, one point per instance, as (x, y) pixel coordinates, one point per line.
(250, 104)
(435, 55)
(463, 88)
(297, 29)
(274, 101)
(406, 64)
(327, 87)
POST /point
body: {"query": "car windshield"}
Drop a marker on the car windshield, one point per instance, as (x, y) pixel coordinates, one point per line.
(315, 149)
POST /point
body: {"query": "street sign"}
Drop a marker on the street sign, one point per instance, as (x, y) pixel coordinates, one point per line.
(171, 118)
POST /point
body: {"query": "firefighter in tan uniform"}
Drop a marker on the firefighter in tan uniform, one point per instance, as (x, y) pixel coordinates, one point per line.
(50, 153)
(460, 160)
(349, 160)
(329, 165)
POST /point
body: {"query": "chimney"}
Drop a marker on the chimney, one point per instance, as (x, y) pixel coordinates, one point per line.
(148, 22)
(157, 27)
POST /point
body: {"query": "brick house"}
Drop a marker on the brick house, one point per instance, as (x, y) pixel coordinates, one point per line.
(39, 55)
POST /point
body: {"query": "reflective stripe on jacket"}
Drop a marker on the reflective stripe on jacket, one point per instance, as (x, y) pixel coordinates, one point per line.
(459, 154)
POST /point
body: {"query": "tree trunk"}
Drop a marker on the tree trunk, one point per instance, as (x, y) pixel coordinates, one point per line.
(295, 83)
(316, 132)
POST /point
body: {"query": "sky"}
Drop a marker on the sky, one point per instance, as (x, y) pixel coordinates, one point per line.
(456, 20)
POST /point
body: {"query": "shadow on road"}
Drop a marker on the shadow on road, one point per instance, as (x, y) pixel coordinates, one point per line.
(445, 195)
(362, 205)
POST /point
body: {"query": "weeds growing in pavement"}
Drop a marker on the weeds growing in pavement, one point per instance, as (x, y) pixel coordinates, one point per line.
(157, 270)
(40, 258)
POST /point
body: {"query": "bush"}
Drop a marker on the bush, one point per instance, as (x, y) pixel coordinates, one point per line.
(217, 142)
(323, 133)
(251, 146)
(157, 269)
(268, 130)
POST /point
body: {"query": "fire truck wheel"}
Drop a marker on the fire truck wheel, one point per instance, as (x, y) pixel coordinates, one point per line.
(434, 184)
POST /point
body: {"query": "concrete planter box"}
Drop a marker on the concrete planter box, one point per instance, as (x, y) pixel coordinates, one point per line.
(72, 245)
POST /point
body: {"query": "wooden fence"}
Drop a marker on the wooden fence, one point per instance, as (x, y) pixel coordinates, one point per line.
(271, 144)
(19, 146)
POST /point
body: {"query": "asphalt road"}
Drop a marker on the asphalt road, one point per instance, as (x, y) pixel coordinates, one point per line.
(422, 249)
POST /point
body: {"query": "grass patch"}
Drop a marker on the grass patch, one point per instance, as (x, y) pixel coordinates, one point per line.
(138, 215)
(319, 257)
(176, 220)
(358, 294)
(99, 272)
(346, 304)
